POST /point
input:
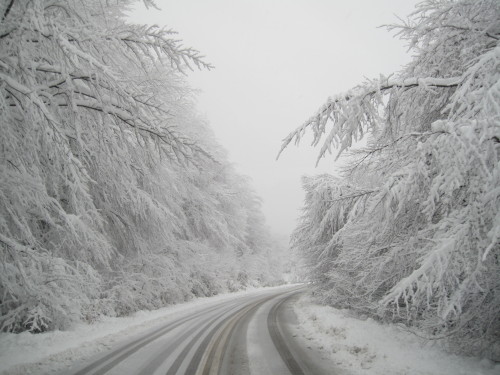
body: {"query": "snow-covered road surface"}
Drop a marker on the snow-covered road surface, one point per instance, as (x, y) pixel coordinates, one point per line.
(242, 335)
(278, 330)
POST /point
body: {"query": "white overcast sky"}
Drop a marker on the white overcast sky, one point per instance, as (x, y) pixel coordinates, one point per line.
(276, 62)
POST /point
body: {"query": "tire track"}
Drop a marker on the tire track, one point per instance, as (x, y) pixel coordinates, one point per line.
(277, 338)
(122, 353)
(209, 355)
(212, 334)
(160, 358)
(182, 356)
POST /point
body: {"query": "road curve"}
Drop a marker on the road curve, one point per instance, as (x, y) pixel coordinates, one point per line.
(242, 336)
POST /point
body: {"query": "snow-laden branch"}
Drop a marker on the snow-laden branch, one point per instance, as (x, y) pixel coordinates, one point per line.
(158, 40)
(126, 108)
(354, 113)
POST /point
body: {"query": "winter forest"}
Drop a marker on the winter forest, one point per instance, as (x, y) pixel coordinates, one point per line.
(410, 232)
(115, 195)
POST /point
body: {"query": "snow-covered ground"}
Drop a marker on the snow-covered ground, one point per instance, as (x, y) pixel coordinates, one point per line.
(354, 346)
(365, 347)
(52, 352)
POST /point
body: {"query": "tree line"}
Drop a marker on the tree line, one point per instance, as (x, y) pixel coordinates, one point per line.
(409, 232)
(114, 194)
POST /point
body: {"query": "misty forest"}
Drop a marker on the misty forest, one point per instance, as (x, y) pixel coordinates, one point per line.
(116, 197)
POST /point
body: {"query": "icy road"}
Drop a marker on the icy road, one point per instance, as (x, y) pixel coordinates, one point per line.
(243, 335)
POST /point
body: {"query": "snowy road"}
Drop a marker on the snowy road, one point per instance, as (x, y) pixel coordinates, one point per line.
(244, 335)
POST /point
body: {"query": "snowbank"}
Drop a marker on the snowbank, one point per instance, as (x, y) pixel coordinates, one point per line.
(367, 347)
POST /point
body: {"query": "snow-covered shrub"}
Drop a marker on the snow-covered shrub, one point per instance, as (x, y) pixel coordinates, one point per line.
(41, 292)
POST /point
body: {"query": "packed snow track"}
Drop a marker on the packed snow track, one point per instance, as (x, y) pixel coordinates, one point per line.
(244, 335)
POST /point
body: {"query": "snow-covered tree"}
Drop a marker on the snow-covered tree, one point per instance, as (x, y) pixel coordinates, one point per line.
(109, 188)
(411, 231)
(85, 100)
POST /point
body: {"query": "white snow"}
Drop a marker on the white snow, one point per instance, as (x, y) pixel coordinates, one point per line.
(362, 347)
(52, 352)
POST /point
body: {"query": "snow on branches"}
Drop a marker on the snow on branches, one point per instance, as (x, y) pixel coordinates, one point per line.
(65, 60)
(424, 249)
(356, 112)
(106, 172)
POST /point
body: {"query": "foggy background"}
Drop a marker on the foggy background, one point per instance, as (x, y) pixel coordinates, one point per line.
(276, 62)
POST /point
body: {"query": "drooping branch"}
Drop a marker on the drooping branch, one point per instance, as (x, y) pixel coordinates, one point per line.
(123, 113)
(372, 151)
(157, 40)
(353, 196)
(352, 113)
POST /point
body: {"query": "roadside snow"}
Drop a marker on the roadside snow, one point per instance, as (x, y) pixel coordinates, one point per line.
(362, 347)
(53, 352)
